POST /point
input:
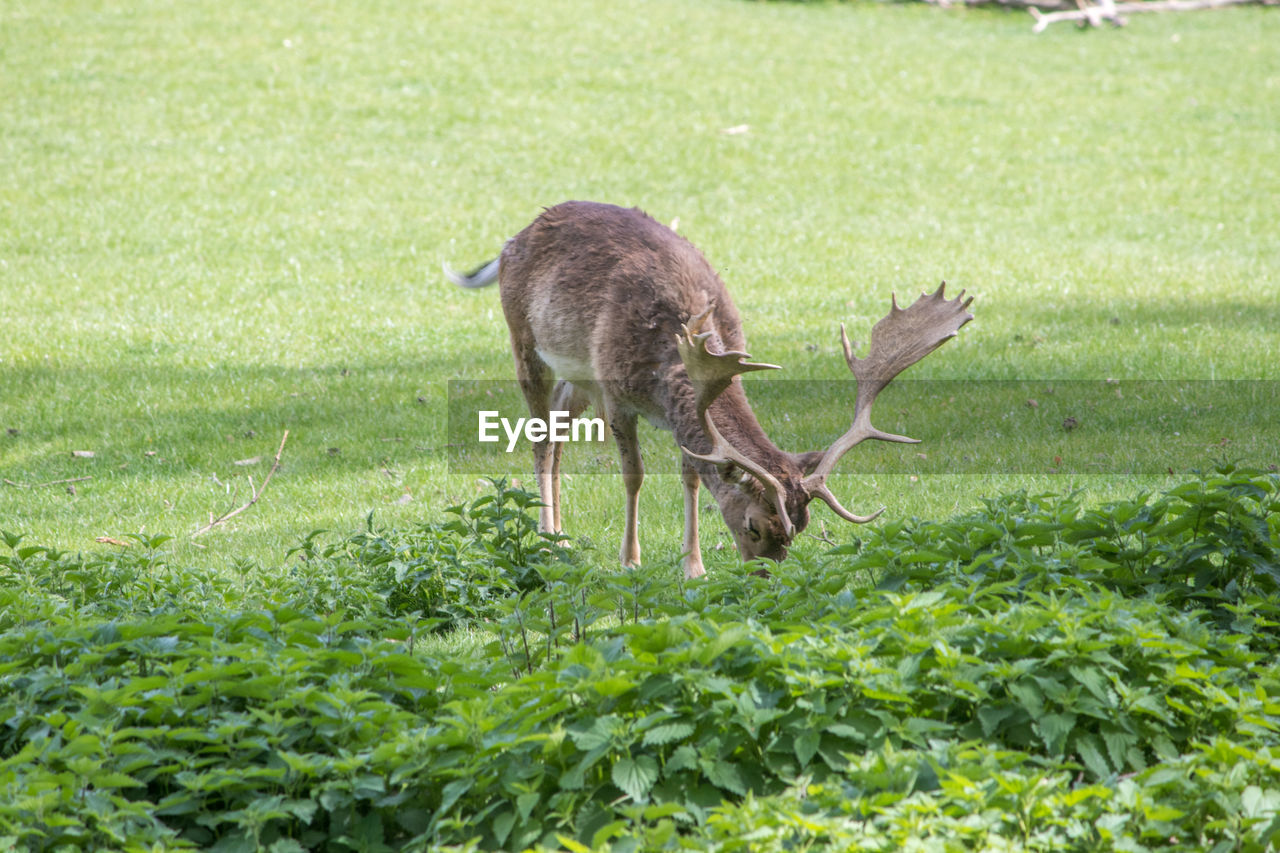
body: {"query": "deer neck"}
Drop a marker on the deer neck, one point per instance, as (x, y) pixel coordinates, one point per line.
(737, 422)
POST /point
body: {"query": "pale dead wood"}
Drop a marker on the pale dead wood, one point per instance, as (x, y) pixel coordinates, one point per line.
(42, 485)
(1093, 14)
(1042, 5)
(1111, 12)
(255, 493)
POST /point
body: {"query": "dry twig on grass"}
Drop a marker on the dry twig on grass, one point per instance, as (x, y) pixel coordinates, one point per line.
(255, 494)
(42, 485)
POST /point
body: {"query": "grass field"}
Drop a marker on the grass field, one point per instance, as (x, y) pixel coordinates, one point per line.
(222, 222)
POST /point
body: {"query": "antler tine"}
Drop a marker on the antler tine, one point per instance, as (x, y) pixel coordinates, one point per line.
(711, 374)
(824, 494)
(900, 339)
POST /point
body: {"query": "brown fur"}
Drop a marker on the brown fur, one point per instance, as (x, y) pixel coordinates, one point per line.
(609, 289)
(596, 296)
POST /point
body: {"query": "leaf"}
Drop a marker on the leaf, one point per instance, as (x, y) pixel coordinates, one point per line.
(572, 845)
(807, 746)
(452, 792)
(613, 685)
(667, 733)
(1258, 803)
(922, 726)
(1162, 813)
(575, 778)
(526, 802)
(1094, 681)
(234, 842)
(923, 557)
(115, 780)
(607, 832)
(721, 643)
(1054, 729)
(1092, 757)
(684, 758)
(845, 730)
(596, 734)
(1028, 696)
(724, 774)
(1118, 746)
(286, 845)
(661, 810)
(502, 826)
(991, 716)
(635, 776)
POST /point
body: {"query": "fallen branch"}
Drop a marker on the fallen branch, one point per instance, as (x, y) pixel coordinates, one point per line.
(1042, 5)
(255, 494)
(1088, 13)
(42, 485)
(1113, 13)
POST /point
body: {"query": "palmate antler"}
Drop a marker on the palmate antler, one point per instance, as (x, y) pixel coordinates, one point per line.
(898, 340)
(711, 374)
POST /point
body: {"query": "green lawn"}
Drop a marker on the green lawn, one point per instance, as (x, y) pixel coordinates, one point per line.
(222, 221)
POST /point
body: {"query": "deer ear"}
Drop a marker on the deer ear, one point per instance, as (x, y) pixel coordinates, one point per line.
(733, 474)
(808, 462)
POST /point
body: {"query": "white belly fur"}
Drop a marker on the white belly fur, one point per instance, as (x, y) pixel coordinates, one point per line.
(567, 367)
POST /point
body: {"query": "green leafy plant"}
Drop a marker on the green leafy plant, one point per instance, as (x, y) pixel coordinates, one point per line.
(988, 681)
(447, 572)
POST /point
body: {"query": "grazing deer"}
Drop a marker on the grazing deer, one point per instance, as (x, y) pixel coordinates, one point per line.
(630, 316)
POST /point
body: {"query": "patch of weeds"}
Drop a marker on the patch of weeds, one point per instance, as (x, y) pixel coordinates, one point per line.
(1005, 682)
(1210, 544)
(445, 572)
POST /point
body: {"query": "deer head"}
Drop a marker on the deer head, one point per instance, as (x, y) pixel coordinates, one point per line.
(774, 508)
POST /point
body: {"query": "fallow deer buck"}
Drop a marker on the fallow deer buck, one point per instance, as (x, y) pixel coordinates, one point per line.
(630, 316)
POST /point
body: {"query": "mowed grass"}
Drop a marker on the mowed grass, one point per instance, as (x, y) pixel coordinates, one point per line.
(221, 222)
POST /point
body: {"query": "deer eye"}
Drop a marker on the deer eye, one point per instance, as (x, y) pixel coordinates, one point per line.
(752, 531)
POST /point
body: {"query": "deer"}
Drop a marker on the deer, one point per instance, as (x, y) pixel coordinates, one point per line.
(610, 308)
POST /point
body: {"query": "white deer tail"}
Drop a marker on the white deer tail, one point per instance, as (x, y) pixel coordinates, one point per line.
(482, 276)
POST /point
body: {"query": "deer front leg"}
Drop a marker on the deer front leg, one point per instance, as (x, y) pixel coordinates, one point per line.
(624, 431)
(691, 547)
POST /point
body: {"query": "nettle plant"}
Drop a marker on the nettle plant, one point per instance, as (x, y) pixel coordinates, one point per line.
(448, 572)
(998, 680)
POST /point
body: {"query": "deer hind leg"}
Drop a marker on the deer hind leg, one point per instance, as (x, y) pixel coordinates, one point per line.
(534, 377)
(692, 548)
(566, 397)
(623, 427)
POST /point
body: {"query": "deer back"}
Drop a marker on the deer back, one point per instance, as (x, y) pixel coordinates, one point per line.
(602, 292)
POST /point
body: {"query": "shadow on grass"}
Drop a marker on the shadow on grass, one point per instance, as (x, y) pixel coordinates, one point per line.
(965, 427)
(170, 421)
(1152, 310)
